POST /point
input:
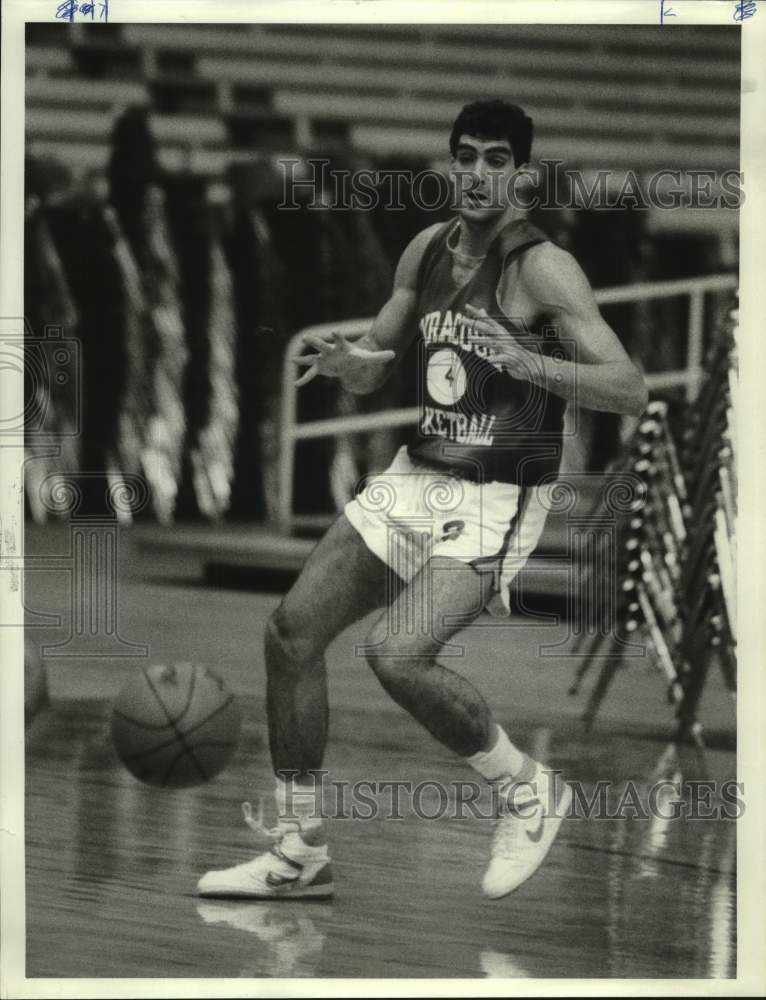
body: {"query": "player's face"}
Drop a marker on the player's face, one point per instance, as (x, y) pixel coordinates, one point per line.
(483, 176)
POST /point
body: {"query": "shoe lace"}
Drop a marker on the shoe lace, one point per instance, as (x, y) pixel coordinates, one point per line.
(257, 825)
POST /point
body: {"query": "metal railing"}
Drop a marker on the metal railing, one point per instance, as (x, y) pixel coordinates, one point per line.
(291, 431)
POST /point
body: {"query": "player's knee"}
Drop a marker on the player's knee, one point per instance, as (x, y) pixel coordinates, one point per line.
(289, 642)
(392, 658)
(387, 669)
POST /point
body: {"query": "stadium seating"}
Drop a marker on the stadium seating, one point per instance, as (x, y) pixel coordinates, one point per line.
(601, 96)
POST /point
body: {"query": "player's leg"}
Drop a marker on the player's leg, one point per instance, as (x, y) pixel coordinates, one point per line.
(444, 597)
(404, 644)
(341, 582)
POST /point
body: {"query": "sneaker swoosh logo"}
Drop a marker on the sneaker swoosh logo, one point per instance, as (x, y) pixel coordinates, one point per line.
(275, 881)
(537, 834)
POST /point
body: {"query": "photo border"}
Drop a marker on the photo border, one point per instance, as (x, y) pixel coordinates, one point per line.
(751, 718)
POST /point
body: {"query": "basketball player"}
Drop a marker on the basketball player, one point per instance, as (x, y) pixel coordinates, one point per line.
(509, 333)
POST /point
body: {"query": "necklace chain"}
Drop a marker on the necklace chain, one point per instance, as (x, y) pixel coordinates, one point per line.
(466, 258)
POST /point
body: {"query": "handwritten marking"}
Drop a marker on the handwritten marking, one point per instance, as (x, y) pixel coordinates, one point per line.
(66, 11)
(666, 11)
(744, 9)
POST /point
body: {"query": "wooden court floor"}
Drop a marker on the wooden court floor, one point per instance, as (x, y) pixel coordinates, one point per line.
(111, 864)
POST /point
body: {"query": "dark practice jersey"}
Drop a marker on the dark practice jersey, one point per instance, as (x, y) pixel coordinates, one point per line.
(476, 420)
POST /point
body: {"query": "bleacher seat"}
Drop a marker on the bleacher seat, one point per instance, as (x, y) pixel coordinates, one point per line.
(45, 91)
(46, 59)
(601, 96)
(171, 129)
(631, 125)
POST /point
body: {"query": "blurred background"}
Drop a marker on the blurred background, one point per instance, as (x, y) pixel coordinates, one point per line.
(154, 241)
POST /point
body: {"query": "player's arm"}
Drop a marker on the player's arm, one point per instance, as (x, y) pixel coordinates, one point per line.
(602, 376)
(364, 364)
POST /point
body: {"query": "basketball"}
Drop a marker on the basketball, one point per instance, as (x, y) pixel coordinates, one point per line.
(175, 726)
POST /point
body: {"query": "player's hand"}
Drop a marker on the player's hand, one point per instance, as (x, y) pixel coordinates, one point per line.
(506, 350)
(337, 357)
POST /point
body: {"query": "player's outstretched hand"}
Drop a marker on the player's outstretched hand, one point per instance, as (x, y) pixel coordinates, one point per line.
(506, 350)
(337, 357)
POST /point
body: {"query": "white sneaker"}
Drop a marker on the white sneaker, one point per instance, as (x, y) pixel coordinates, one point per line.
(529, 818)
(292, 868)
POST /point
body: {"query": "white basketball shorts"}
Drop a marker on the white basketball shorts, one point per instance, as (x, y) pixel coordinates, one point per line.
(411, 512)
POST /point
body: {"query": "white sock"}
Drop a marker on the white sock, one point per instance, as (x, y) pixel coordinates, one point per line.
(301, 803)
(503, 760)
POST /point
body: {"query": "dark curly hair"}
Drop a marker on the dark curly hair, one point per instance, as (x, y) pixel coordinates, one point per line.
(495, 119)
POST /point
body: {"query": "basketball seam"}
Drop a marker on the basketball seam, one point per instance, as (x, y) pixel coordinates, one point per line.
(199, 766)
(228, 743)
(158, 725)
(187, 732)
(168, 743)
(190, 695)
(212, 715)
(172, 724)
(139, 722)
(169, 770)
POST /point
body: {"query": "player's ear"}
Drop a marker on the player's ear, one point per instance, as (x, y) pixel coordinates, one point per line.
(524, 183)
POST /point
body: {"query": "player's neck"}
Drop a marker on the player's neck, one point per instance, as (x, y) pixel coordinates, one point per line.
(474, 238)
